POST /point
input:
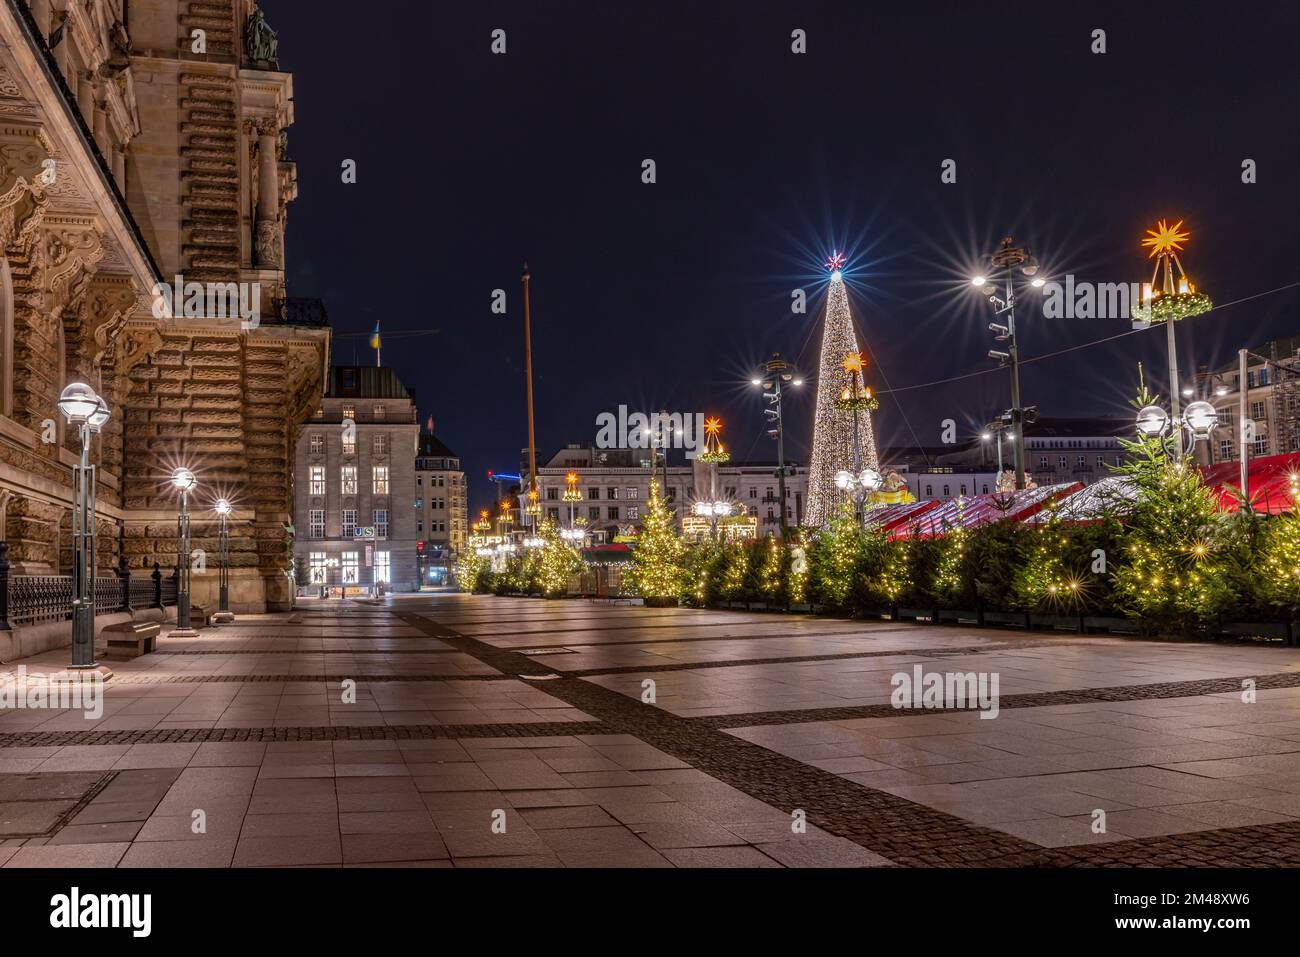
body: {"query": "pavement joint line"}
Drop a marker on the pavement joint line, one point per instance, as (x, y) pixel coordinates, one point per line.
(743, 662)
(148, 679)
(352, 732)
(1043, 699)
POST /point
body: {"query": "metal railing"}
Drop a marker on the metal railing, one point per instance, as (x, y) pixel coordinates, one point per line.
(39, 599)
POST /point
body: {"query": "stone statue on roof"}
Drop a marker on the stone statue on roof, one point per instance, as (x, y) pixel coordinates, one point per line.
(262, 44)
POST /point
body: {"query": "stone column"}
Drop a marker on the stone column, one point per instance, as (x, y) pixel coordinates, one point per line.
(86, 97)
(268, 197)
(101, 129)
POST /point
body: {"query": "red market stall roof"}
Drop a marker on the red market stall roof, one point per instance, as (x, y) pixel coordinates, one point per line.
(983, 510)
(607, 554)
(1270, 480)
(890, 517)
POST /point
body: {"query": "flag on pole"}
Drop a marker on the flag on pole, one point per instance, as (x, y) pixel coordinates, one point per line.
(374, 343)
(429, 425)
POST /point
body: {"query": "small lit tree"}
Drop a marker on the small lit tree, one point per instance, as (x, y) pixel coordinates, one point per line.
(658, 557)
(558, 561)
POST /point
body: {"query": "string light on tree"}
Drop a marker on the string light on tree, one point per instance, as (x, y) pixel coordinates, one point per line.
(834, 426)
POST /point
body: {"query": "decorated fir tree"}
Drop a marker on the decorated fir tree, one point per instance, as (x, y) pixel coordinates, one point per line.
(841, 407)
(558, 562)
(1171, 572)
(657, 561)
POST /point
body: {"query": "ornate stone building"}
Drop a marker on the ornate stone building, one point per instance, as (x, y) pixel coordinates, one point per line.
(141, 141)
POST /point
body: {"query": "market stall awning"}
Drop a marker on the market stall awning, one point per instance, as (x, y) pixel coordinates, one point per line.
(983, 510)
(1273, 482)
(890, 517)
(1109, 496)
(607, 554)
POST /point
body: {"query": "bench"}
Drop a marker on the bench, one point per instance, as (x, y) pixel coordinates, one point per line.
(131, 639)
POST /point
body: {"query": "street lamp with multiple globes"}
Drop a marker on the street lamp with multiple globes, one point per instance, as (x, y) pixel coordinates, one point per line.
(184, 481)
(1199, 419)
(88, 412)
(864, 482)
(713, 511)
(224, 614)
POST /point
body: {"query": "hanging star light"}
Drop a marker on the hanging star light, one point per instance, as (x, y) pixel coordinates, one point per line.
(714, 451)
(1170, 301)
(1165, 238)
(835, 264)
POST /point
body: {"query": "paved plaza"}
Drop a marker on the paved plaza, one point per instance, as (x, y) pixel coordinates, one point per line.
(448, 730)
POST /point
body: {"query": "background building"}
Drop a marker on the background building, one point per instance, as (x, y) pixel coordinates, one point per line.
(614, 484)
(1272, 397)
(128, 159)
(440, 504)
(356, 502)
(1057, 450)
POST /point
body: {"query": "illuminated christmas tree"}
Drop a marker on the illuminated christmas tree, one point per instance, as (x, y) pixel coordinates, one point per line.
(835, 419)
(658, 559)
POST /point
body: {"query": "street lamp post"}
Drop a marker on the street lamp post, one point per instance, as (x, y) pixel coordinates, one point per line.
(224, 613)
(778, 372)
(1004, 261)
(88, 412)
(184, 481)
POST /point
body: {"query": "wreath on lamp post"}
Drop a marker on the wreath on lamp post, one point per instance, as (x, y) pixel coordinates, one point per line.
(856, 397)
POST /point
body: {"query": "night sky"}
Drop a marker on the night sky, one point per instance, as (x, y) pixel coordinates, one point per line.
(668, 295)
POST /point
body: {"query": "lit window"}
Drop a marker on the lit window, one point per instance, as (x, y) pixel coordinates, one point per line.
(317, 443)
(381, 479)
(348, 477)
(317, 567)
(350, 412)
(383, 572)
(316, 523)
(317, 482)
(380, 445)
(351, 568)
(349, 522)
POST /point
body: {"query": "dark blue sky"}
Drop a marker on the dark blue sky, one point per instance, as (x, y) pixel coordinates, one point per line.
(667, 295)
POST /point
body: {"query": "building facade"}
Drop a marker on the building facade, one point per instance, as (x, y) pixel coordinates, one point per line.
(131, 155)
(1272, 399)
(614, 485)
(440, 504)
(356, 502)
